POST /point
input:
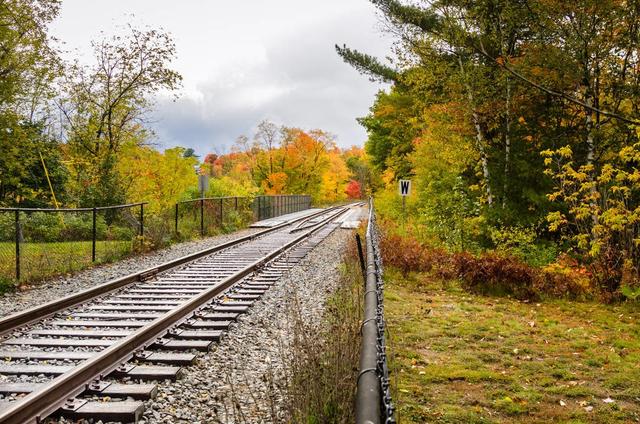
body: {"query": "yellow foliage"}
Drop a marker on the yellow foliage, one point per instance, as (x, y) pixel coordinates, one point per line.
(158, 178)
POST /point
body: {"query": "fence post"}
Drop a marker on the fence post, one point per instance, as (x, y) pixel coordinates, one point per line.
(221, 204)
(236, 199)
(141, 219)
(177, 217)
(93, 236)
(17, 245)
(202, 217)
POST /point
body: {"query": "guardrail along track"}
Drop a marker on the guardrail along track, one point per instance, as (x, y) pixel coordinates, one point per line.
(69, 357)
(373, 397)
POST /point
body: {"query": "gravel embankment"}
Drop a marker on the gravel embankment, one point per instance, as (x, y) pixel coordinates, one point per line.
(241, 380)
(63, 286)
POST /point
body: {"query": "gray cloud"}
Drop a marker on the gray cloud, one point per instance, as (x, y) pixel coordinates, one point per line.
(299, 81)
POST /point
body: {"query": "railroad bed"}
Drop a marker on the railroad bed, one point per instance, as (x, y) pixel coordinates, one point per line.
(96, 354)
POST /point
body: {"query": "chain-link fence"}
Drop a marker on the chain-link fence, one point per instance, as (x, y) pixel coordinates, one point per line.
(214, 215)
(271, 206)
(36, 243)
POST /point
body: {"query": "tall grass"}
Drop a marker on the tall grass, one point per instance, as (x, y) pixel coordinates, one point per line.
(323, 359)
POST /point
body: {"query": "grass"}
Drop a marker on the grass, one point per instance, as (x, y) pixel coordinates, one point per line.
(40, 260)
(463, 358)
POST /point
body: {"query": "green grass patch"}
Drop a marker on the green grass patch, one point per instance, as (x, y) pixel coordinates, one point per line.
(41, 260)
(456, 357)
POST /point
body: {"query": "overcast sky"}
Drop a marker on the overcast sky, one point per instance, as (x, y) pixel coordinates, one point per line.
(244, 61)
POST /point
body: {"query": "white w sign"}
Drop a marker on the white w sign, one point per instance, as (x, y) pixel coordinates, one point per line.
(405, 187)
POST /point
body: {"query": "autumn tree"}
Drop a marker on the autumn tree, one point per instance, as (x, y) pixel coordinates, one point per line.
(160, 178)
(105, 106)
(28, 66)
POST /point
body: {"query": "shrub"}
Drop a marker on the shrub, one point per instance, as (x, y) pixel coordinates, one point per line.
(490, 273)
(404, 253)
(523, 243)
(7, 226)
(494, 274)
(40, 226)
(121, 233)
(80, 227)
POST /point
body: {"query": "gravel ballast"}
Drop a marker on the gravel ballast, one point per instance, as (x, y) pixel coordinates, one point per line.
(241, 379)
(58, 287)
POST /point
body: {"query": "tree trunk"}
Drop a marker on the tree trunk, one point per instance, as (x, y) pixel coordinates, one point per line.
(590, 128)
(480, 140)
(507, 145)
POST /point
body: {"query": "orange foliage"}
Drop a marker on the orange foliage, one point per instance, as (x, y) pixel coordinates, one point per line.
(353, 190)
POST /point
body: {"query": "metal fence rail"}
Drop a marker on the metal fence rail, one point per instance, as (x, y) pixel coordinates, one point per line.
(271, 206)
(208, 215)
(35, 241)
(373, 397)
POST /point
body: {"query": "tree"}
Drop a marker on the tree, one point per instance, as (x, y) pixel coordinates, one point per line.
(353, 190)
(268, 136)
(162, 179)
(106, 104)
(189, 153)
(28, 65)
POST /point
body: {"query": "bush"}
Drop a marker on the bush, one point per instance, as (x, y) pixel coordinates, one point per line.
(523, 243)
(490, 273)
(121, 233)
(7, 226)
(80, 227)
(41, 226)
(494, 274)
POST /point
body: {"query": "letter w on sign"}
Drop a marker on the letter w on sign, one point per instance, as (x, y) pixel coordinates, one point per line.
(405, 187)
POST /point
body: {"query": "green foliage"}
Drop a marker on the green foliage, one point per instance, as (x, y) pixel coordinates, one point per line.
(7, 226)
(632, 293)
(392, 128)
(523, 243)
(506, 115)
(53, 227)
(367, 64)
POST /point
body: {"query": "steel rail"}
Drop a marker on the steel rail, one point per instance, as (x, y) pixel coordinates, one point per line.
(38, 405)
(11, 322)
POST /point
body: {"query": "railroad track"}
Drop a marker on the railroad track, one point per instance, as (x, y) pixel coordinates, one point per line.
(95, 354)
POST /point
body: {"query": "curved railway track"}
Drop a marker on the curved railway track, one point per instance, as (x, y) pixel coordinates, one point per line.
(95, 354)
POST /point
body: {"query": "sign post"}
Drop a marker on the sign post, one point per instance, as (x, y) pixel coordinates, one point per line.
(404, 187)
(203, 184)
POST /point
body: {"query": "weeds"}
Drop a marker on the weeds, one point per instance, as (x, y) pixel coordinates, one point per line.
(492, 273)
(323, 357)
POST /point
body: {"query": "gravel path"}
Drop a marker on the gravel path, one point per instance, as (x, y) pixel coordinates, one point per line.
(62, 286)
(241, 380)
